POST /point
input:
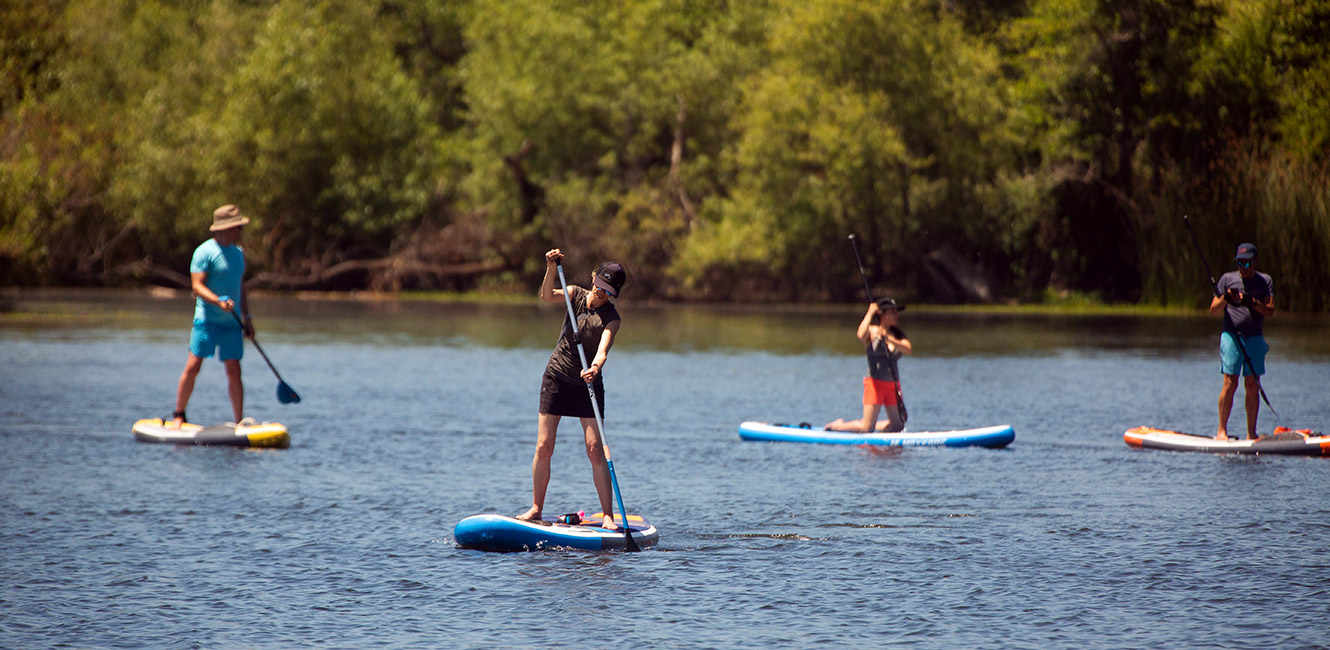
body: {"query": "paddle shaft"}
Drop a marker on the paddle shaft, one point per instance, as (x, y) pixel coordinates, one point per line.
(854, 243)
(1237, 338)
(293, 396)
(630, 543)
(256, 346)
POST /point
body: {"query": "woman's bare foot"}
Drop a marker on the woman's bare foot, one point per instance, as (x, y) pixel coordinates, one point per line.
(530, 515)
(608, 523)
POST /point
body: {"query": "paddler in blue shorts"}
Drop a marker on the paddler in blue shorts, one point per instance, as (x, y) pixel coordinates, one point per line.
(563, 388)
(884, 344)
(1246, 298)
(217, 273)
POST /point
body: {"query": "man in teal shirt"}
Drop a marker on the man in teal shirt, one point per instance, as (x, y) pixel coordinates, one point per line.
(217, 274)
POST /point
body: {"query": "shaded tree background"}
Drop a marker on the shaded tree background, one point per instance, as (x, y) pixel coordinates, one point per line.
(981, 150)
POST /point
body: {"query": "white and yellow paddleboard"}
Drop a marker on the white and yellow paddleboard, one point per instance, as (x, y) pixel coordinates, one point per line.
(246, 434)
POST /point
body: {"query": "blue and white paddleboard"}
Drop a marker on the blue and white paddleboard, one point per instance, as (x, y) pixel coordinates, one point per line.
(994, 437)
(508, 534)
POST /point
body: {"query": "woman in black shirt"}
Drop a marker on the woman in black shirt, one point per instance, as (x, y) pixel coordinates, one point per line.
(563, 387)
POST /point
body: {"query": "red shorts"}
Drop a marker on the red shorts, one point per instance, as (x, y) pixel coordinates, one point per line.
(879, 393)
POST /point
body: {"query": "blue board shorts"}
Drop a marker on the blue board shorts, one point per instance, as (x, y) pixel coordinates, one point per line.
(1230, 355)
(227, 340)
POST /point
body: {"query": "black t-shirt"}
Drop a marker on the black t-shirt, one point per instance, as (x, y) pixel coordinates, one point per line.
(1245, 320)
(564, 364)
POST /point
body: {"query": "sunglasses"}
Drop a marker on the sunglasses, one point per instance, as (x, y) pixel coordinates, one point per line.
(1244, 264)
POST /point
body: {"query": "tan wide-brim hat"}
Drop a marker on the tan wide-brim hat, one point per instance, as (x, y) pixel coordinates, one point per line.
(226, 217)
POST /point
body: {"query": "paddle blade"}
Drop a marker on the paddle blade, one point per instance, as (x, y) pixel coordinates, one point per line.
(630, 544)
(286, 395)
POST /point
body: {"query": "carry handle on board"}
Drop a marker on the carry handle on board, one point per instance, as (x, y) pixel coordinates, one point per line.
(630, 544)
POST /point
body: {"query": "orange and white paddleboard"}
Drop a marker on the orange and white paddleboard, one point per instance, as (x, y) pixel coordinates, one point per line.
(1301, 442)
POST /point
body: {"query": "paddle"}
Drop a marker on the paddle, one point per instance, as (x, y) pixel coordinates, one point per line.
(630, 544)
(285, 394)
(854, 243)
(1236, 337)
(900, 398)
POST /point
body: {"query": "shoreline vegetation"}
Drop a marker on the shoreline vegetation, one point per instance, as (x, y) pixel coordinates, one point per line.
(1037, 153)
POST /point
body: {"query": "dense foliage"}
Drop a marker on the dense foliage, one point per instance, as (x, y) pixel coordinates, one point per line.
(980, 150)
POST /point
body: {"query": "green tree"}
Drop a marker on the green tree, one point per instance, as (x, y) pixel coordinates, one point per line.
(65, 139)
(306, 119)
(884, 119)
(1303, 59)
(1111, 101)
(596, 126)
(29, 42)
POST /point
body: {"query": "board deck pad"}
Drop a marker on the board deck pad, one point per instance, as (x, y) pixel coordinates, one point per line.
(635, 522)
(1283, 440)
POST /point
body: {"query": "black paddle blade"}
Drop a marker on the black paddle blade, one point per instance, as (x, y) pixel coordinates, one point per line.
(630, 544)
(286, 395)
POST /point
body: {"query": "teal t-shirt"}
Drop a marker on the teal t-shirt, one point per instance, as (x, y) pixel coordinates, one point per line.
(225, 269)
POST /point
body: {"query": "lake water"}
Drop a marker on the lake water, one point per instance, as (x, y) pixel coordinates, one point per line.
(416, 415)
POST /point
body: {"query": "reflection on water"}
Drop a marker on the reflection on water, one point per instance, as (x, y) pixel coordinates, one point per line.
(779, 329)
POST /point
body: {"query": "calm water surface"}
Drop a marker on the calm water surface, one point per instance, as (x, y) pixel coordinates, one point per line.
(416, 415)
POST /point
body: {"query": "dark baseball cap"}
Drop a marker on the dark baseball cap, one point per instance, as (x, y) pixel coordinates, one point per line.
(1245, 252)
(610, 277)
(890, 303)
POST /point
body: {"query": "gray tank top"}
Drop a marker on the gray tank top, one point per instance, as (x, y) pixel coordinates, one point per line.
(881, 361)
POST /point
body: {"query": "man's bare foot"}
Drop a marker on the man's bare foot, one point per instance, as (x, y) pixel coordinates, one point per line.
(177, 420)
(530, 515)
(1222, 435)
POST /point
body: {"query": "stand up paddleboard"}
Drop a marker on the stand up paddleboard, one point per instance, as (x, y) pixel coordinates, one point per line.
(509, 534)
(246, 434)
(993, 437)
(1303, 442)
